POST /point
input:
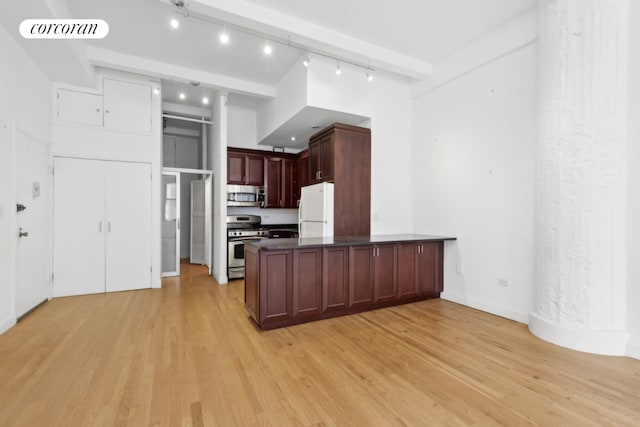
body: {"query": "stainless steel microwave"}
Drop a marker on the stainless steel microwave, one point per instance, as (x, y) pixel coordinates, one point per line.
(245, 195)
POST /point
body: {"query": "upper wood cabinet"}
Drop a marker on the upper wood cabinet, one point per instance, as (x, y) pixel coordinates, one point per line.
(342, 154)
(321, 159)
(244, 167)
(280, 182)
(302, 164)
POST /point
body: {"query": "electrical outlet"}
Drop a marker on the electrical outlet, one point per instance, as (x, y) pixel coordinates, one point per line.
(502, 282)
(459, 268)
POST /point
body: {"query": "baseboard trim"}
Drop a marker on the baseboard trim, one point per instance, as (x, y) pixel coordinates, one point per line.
(608, 343)
(633, 349)
(7, 324)
(482, 305)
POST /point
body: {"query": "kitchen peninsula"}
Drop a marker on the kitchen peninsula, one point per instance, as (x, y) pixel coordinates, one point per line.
(290, 281)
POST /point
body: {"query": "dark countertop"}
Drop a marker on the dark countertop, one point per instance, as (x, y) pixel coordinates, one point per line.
(282, 244)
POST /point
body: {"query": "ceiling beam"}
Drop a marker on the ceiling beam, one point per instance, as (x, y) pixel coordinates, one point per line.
(135, 64)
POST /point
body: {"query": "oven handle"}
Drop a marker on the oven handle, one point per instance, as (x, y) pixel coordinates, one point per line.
(245, 239)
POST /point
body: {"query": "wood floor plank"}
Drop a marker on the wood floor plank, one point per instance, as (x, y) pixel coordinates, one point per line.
(188, 354)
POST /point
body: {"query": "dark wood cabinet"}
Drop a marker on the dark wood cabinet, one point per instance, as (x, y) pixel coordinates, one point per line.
(429, 267)
(321, 159)
(280, 181)
(408, 284)
(342, 154)
(360, 275)
(384, 274)
(307, 282)
(335, 278)
(300, 284)
(244, 167)
(276, 296)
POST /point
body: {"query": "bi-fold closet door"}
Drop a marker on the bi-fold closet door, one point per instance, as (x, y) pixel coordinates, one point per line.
(102, 226)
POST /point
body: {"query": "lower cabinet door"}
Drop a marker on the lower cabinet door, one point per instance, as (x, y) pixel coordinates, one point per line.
(307, 282)
(408, 284)
(276, 296)
(360, 276)
(335, 278)
(384, 277)
(428, 267)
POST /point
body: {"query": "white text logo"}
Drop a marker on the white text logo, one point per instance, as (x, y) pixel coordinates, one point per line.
(64, 29)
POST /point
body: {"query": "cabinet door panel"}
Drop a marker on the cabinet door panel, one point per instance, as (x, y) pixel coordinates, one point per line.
(79, 108)
(128, 237)
(303, 173)
(288, 183)
(427, 269)
(272, 182)
(360, 271)
(385, 274)
(408, 285)
(307, 281)
(127, 106)
(255, 171)
(326, 167)
(78, 227)
(335, 278)
(315, 155)
(275, 293)
(235, 168)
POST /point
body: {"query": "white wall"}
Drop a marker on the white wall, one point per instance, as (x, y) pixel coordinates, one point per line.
(474, 171)
(26, 105)
(386, 101)
(633, 178)
(291, 97)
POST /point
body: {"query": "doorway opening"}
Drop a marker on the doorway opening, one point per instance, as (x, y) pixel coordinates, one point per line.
(186, 196)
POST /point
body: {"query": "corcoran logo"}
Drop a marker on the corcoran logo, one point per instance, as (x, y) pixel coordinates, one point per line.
(64, 29)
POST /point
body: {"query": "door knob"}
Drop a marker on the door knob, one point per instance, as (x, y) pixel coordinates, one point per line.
(20, 207)
(22, 233)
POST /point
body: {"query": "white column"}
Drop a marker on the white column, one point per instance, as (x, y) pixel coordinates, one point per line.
(581, 176)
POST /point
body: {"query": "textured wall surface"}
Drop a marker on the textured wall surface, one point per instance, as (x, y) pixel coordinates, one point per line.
(581, 176)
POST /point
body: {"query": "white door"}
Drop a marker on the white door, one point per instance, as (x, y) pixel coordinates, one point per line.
(128, 216)
(33, 247)
(197, 253)
(78, 227)
(170, 224)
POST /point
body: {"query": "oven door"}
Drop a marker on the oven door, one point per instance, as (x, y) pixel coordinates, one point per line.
(236, 255)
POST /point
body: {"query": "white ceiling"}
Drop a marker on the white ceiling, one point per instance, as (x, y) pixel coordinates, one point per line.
(424, 29)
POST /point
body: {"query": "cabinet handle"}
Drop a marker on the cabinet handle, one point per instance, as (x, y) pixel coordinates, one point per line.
(97, 110)
(108, 226)
(100, 227)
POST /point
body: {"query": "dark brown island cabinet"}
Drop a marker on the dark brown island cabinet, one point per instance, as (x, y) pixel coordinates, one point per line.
(290, 281)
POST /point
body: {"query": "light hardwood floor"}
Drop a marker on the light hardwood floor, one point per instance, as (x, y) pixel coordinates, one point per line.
(188, 355)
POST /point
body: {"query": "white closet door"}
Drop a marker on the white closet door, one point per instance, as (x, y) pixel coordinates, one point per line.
(128, 214)
(78, 227)
(197, 222)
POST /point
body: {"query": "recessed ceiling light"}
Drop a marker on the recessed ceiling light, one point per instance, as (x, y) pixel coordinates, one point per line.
(205, 100)
(267, 49)
(182, 96)
(293, 138)
(175, 24)
(224, 37)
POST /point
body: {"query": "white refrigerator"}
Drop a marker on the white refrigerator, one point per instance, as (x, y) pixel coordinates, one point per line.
(315, 215)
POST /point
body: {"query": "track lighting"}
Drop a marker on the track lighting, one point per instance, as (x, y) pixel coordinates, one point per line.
(338, 70)
(205, 100)
(182, 96)
(369, 76)
(267, 49)
(175, 23)
(224, 36)
(307, 61)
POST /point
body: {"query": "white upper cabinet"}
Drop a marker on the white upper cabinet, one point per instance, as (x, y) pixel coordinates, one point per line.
(79, 108)
(127, 106)
(123, 106)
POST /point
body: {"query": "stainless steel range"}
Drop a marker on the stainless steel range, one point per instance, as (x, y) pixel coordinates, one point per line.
(241, 229)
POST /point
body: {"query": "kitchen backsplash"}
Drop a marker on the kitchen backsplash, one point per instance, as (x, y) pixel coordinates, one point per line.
(269, 216)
